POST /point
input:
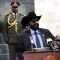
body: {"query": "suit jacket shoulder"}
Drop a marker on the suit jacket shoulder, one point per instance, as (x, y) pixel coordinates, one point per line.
(43, 29)
(26, 32)
(47, 33)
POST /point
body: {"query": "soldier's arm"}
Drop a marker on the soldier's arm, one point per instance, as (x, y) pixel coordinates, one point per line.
(5, 27)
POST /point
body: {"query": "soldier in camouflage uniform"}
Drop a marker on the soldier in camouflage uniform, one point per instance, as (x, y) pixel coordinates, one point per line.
(11, 28)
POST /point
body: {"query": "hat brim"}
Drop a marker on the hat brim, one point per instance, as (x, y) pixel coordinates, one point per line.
(38, 17)
(25, 20)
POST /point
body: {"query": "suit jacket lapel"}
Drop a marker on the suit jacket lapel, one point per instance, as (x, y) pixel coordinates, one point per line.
(29, 35)
(43, 38)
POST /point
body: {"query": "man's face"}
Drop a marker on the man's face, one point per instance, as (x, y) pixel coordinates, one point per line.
(14, 9)
(33, 24)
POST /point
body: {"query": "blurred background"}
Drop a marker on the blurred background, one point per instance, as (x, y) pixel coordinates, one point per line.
(50, 11)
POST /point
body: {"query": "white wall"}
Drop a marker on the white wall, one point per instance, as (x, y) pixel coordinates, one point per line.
(50, 11)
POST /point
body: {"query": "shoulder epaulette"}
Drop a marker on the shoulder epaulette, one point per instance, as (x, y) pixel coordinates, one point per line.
(21, 14)
(8, 14)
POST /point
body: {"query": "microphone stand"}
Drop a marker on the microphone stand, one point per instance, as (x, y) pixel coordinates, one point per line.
(53, 48)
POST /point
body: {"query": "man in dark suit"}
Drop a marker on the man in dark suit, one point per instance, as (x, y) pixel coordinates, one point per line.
(27, 38)
(11, 29)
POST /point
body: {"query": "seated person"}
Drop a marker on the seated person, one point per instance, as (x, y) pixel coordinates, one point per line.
(33, 35)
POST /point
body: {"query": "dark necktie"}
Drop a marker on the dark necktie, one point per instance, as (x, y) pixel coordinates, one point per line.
(37, 40)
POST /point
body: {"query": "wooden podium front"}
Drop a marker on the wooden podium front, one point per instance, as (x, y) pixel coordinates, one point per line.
(41, 55)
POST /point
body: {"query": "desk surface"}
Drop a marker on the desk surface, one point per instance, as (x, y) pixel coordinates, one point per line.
(42, 51)
(41, 55)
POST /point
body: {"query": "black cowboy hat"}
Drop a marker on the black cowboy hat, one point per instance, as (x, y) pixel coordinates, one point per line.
(28, 18)
(15, 4)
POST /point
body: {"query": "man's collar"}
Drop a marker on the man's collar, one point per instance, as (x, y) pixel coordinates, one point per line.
(17, 14)
(32, 31)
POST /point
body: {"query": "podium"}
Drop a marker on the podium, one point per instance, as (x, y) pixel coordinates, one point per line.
(41, 55)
